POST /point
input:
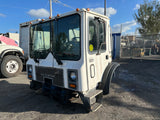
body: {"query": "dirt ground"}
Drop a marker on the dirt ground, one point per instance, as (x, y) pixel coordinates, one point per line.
(134, 96)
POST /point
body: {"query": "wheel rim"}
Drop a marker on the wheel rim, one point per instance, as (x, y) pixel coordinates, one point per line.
(12, 66)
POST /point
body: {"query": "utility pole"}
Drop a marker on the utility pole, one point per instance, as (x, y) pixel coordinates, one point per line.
(50, 8)
(121, 29)
(105, 4)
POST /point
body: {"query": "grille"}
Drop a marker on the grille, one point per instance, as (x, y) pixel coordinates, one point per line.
(53, 73)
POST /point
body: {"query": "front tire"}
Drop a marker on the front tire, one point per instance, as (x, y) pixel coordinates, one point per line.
(11, 66)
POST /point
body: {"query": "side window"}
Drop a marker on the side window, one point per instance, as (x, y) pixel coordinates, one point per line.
(92, 36)
(102, 42)
(41, 36)
(97, 35)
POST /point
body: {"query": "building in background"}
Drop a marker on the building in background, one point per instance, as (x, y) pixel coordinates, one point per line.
(116, 41)
(132, 37)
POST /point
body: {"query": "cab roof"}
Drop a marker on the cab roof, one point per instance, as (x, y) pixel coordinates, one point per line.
(63, 15)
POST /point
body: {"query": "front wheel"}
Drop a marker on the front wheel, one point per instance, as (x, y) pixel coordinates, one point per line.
(11, 66)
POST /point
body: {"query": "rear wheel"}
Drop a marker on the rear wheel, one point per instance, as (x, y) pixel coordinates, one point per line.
(11, 66)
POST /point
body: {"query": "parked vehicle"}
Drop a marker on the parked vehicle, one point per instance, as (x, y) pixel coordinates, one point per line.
(10, 60)
(70, 55)
(24, 35)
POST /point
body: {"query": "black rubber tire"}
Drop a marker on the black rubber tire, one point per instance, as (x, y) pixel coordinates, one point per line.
(5, 60)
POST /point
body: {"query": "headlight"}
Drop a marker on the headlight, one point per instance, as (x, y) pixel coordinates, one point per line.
(73, 76)
(73, 79)
(30, 69)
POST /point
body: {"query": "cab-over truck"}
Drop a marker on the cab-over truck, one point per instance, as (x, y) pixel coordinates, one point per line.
(70, 56)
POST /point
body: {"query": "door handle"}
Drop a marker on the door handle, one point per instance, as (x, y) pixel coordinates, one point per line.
(106, 57)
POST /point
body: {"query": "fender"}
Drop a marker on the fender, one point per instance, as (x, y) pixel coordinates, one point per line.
(107, 77)
(10, 50)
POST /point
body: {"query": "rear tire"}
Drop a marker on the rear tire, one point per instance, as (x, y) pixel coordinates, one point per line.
(11, 66)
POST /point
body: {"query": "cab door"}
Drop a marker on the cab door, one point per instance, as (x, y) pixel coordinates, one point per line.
(96, 49)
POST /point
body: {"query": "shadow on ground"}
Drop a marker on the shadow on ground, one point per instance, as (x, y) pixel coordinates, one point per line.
(137, 77)
(140, 78)
(19, 98)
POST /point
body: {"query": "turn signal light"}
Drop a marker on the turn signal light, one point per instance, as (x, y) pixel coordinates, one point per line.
(29, 76)
(72, 85)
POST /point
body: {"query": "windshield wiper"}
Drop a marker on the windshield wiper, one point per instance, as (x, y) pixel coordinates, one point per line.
(57, 59)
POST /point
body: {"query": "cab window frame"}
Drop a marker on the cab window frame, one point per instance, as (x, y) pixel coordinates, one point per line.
(103, 23)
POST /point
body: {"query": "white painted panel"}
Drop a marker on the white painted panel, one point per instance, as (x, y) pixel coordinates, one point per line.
(24, 40)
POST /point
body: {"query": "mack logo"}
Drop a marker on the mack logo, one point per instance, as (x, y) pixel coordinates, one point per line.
(91, 60)
(46, 75)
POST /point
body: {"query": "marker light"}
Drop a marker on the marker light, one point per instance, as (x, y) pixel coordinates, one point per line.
(58, 15)
(29, 76)
(38, 20)
(88, 9)
(50, 17)
(30, 23)
(42, 19)
(77, 9)
(23, 52)
(72, 85)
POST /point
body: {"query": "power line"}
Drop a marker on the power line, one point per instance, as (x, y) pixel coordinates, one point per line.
(65, 5)
(46, 6)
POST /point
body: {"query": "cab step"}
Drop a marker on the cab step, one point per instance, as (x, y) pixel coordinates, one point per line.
(92, 100)
(91, 96)
(93, 93)
(95, 107)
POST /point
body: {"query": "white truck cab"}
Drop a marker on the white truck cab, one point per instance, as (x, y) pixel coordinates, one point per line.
(11, 58)
(71, 53)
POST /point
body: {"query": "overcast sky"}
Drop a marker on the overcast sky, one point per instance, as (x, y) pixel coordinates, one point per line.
(120, 12)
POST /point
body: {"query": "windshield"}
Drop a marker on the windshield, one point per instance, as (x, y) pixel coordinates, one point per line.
(40, 40)
(66, 43)
(61, 35)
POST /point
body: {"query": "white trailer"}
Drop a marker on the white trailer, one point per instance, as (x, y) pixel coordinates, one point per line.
(71, 54)
(24, 35)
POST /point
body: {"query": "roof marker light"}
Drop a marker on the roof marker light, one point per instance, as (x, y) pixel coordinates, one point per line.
(50, 17)
(77, 9)
(58, 15)
(42, 20)
(88, 9)
(30, 22)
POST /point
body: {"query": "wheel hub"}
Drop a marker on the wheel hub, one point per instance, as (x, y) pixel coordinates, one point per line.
(12, 66)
